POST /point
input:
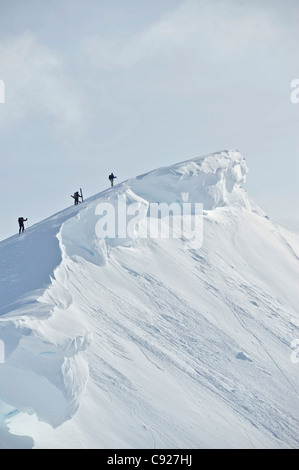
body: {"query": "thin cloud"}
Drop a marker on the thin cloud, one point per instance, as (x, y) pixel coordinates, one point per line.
(37, 84)
(214, 30)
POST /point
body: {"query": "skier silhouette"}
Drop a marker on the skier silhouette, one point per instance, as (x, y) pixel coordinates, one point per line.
(111, 178)
(76, 197)
(21, 221)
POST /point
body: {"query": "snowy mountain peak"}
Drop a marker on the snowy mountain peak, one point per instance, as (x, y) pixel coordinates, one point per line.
(214, 180)
(152, 343)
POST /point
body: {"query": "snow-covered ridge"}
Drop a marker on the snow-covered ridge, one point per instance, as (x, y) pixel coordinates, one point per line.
(215, 180)
(143, 343)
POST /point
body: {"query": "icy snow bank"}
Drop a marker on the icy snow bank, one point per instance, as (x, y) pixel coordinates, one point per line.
(214, 180)
(44, 371)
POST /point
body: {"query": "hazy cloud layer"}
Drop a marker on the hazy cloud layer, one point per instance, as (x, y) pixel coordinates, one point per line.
(100, 86)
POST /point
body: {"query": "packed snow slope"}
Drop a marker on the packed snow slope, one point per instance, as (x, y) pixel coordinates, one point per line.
(131, 341)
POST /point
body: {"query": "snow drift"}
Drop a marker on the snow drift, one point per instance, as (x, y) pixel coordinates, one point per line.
(140, 343)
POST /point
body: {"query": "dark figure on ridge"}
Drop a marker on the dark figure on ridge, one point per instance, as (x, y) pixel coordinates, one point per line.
(21, 221)
(76, 197)
(111, 178)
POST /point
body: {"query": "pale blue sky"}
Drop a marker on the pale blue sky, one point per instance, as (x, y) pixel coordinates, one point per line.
(94, 86)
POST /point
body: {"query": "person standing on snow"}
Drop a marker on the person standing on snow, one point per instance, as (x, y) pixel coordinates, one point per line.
(111, 178)
(21, 221)
(76, 197)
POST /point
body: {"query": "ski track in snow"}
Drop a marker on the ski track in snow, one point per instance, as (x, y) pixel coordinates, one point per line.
(150, 343)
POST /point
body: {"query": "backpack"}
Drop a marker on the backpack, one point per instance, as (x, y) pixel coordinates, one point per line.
(20, 220)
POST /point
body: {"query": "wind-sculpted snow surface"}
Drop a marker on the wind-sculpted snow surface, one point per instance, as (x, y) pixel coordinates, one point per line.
(138, 342)
(43, 371)
(214, 180)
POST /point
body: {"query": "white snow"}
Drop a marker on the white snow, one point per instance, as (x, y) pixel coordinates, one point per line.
(152, 343)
